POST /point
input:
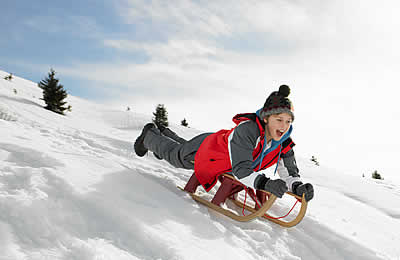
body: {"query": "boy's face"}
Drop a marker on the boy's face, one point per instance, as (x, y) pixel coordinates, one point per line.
(277, 125)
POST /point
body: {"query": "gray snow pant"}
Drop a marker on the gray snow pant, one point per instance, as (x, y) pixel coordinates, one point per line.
(172, 148)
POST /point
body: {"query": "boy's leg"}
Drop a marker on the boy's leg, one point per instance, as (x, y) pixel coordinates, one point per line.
(171, 134)
(165, 147)
(178, 155)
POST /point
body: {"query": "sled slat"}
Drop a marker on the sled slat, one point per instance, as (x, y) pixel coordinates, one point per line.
(256, 213)
(292, 223)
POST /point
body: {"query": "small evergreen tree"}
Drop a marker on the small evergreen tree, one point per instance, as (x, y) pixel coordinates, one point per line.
(9, 77)
(53, 94)
(184, 122)
(161, 116)
(376, 175)
(313, 159)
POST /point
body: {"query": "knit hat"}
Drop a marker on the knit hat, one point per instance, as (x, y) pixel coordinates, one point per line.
(277, 103)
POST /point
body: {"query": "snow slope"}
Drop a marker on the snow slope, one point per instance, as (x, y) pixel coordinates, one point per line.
(71, 187)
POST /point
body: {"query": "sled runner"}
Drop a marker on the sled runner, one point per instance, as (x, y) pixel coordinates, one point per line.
(262, 200)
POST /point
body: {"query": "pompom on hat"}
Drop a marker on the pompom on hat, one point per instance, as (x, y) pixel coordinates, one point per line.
(277, 103)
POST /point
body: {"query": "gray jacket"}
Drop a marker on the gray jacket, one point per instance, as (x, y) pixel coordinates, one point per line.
(242, 142)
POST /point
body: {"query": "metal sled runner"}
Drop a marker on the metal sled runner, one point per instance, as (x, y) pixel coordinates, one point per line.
(262, 200)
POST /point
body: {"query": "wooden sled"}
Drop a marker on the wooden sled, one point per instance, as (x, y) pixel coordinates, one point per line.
(262, 200)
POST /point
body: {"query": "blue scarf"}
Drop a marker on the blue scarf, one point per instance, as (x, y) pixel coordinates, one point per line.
(274, 145)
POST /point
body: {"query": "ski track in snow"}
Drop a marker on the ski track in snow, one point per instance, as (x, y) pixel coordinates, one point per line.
(72, 188)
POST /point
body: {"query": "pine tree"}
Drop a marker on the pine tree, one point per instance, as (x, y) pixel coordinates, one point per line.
(54, 94)
(313, 159)
(9, 77)
(184, 122)
(161, 116)
(376, 175)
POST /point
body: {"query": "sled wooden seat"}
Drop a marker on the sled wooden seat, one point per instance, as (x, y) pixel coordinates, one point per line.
(230, 187)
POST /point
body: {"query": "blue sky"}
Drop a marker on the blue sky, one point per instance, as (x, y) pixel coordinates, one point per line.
(208, 60)
(53, 33)
(64, 35)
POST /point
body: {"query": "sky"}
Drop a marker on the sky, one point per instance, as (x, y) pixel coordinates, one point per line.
(209, 60)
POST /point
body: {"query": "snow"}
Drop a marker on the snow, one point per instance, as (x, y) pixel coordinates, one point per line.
(71, 187)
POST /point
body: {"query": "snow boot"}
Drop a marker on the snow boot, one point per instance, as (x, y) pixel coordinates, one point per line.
(139, 147)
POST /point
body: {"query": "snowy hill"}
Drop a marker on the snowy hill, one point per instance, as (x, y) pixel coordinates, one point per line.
(71, 187)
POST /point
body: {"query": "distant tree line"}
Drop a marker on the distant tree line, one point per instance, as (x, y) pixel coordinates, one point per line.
(374, 175)
(54, 96)
(160, 117)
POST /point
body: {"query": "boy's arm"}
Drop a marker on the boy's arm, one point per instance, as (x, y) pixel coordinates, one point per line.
(242, 142)
(287, 169)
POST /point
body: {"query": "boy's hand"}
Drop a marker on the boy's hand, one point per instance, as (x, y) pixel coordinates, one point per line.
(277, 187)
(299, 189)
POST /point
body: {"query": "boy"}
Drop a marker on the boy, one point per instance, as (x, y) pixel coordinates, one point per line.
(259, 140)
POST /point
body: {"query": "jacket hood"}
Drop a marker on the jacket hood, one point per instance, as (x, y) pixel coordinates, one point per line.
(254, 116)
(274, 145)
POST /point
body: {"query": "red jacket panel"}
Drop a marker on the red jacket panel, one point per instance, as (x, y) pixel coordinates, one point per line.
(212, 159)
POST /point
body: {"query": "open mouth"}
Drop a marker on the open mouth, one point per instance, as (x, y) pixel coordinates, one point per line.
(279, 133)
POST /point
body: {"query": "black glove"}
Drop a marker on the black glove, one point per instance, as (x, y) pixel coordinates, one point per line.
(299, 188)
(277, 187)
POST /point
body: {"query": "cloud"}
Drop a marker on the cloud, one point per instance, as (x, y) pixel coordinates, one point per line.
(302, 23)
(173, 52)
(178, 17)
(204, 43)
